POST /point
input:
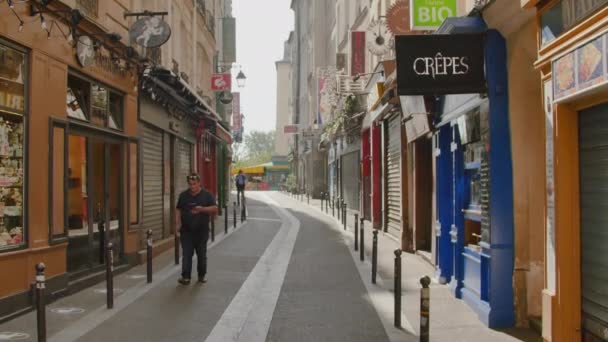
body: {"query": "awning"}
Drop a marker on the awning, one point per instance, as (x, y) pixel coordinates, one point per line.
(251, 170)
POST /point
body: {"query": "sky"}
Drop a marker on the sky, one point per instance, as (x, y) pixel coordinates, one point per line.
(262, 26)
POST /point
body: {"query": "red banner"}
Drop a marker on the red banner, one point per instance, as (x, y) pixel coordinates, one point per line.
(221, 82)
(357, 43)
(236, 112)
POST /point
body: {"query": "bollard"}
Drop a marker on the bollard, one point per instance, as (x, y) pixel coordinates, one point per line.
(361, 241)
(110, 275)
(322, 201)
(243, 214)
(398, 288)
(344, 215)
(339, 208)
(308, 198)
(234, 212)
(40, 301)
(176, 249)
(333, 214)
(374, 256)
(425, 309)
(212, 218)
(149, 256)
(356, 232)
(326, 204)
(225, 219)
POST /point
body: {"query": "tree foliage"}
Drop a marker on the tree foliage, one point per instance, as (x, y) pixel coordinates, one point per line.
(257, 148)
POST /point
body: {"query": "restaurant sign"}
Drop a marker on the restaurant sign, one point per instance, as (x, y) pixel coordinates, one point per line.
(440, 64)
(582, 69)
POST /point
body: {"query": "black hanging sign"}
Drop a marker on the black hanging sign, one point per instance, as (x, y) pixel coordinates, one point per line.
(150, 32)
(440, 64)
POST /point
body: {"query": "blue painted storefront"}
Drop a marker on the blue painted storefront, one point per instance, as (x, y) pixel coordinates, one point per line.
(482, 277)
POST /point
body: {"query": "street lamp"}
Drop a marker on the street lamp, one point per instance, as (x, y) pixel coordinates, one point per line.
(241, 79)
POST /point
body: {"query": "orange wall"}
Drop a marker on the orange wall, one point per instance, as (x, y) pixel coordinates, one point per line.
(49, 64)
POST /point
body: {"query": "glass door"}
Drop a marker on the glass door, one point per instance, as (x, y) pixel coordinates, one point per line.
(94, 202)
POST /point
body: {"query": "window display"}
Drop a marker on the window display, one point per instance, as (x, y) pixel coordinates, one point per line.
(12, 107)
(95, 103)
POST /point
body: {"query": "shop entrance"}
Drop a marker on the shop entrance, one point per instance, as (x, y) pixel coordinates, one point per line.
(94, 201)
(593, 145)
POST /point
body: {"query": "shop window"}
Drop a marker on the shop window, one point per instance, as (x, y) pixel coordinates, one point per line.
(133, 183)
(563, 15)
(77, 186)
(12, 118)
(78, 98)
(94, 103)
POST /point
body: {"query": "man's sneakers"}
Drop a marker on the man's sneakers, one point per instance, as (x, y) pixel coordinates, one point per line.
(184, 281)
(202, 280)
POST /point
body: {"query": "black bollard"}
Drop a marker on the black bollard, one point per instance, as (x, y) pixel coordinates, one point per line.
(243, 214)
(225, 219)
(308, 198)
(110, 275)
(40, 301)
(356, 232)
(333, 213)
(149, 256)
(322, 201)
(339, 205)
(212, 218)
(176, 249)
(327, 203)
(344, 215)
(425, 309)
(234, 212)
(398, 288)
(374, 256)
(361, 242)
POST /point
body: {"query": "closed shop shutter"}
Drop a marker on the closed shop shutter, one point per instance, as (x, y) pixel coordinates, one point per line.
(152, 144)
(183, 166)
(594, 220)
(350, 179)
(393, 174)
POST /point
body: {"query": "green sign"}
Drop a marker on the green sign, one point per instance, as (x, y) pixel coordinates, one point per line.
(429, 14)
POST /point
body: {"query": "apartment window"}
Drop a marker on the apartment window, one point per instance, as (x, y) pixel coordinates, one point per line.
(565, 14)
(87, 7)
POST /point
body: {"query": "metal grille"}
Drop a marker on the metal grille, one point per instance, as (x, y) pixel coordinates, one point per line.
(183, 167)
(393, 174)
(593, 156)
(87, 7)
(152, 144)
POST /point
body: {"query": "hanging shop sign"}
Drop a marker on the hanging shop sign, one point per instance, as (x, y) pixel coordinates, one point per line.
(440, 64)
(327, 89)
(150, 32)
(85, 51)
(290, 129)
(221, 82)
(581, 69)
(429, 14)
(236, 112)
(358, 53)
(398, 18)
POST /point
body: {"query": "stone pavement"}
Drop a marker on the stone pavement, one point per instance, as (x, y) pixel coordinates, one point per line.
(451, 318)
(284, 275)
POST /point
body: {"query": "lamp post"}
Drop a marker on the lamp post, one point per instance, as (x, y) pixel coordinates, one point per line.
(241, 79)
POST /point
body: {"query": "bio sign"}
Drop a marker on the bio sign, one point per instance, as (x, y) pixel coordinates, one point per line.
(429, 14)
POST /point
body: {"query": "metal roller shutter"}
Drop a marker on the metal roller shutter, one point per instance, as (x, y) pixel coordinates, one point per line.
(350, 179)
(183, 166)
(594, 218)
(152, 144)
(393, 174)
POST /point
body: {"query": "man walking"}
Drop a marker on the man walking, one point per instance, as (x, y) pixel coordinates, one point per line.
(195, 207)
(241, 180)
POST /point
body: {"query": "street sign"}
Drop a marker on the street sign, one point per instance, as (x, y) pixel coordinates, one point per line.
(290, 129)
(150, 32)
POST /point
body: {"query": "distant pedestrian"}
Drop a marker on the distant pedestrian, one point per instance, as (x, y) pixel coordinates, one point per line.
(241, 181)
(195, 207)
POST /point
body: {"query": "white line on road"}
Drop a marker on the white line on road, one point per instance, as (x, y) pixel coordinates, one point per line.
(263, 219)
(249, 315)
(91, 321)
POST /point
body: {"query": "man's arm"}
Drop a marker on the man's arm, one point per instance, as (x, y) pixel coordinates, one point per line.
(210, 207)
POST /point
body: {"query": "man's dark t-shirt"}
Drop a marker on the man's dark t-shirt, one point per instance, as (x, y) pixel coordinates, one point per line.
(194, 223)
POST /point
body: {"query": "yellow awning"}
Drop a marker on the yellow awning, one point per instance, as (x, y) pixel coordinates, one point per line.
(251, 170)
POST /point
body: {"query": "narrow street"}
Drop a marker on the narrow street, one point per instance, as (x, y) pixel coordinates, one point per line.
(289, 273)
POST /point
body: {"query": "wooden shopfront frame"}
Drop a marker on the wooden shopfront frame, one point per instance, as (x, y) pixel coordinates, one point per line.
(562, 306)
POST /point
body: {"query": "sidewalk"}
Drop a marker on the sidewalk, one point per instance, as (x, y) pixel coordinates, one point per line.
(451, 318)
